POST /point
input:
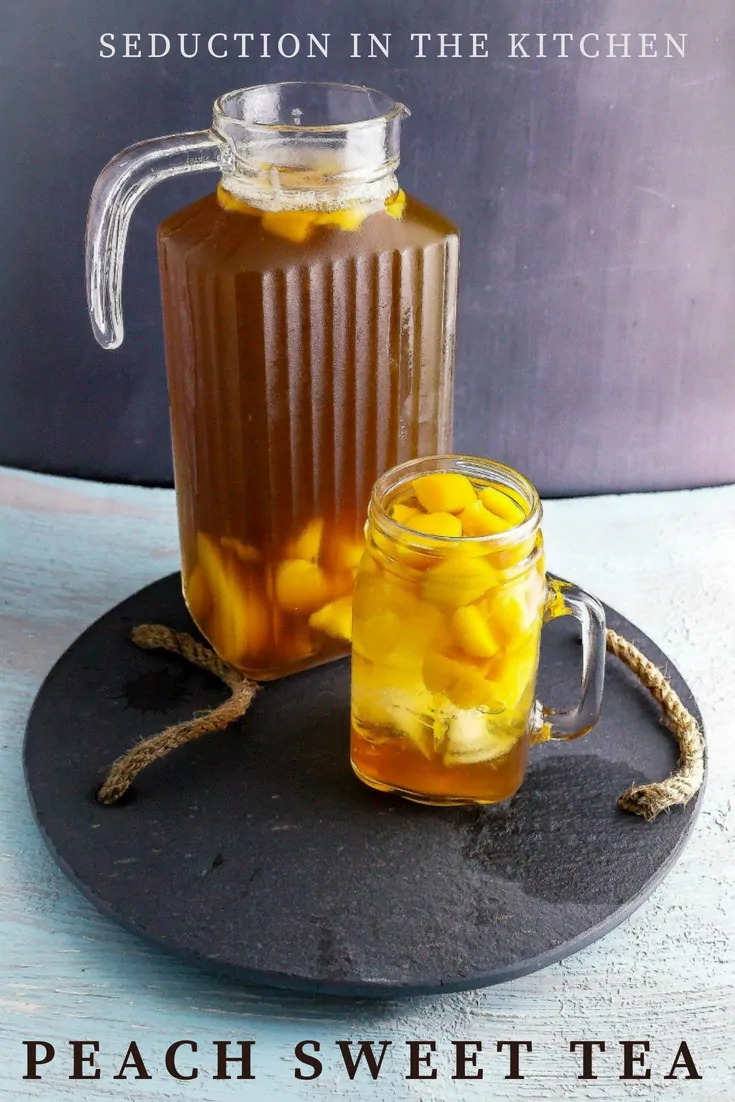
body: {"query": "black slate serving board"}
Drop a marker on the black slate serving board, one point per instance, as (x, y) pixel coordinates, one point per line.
(257, 853)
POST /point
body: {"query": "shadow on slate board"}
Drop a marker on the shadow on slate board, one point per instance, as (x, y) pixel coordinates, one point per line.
(257, 854)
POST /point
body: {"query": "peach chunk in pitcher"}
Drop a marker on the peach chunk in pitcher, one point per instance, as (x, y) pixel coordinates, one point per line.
(271, 612)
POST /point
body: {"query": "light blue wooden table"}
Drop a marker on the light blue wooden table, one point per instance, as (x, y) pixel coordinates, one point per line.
(70, 550)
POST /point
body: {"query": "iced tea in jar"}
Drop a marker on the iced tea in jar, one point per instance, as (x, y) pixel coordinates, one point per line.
(309, 323)
(450, 598)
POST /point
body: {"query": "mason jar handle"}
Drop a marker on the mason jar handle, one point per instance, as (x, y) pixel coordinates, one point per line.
(568, 599)
(119, 187)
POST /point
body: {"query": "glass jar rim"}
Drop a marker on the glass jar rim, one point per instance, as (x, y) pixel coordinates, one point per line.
(394, 108)
(469, 466)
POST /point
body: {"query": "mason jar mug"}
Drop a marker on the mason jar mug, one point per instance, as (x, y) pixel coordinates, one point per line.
(450, 598)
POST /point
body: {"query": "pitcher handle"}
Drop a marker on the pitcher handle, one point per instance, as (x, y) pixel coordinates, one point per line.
(119, 187)
(568, 599)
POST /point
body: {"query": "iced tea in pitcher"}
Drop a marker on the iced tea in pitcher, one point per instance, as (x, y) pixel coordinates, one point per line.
(309, 323)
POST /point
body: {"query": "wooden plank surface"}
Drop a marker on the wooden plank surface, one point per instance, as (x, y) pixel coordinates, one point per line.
(70, 550)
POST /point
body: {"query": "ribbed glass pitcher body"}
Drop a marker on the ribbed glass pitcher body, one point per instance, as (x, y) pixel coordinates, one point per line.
(309, 349)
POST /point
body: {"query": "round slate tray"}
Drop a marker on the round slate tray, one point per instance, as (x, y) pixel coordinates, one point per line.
(256, 853)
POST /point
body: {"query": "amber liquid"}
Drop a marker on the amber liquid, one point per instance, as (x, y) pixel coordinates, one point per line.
(394, 765)
(299, 371)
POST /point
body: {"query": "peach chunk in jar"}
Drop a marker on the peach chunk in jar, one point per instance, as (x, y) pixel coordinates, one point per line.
(446, 641)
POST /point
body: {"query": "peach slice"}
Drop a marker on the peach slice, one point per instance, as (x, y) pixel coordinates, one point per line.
(444, 492)
(474, 634)
(240, 622)
(293, 225)
(308, 543)
(245, 552)
(198, 595)
(347, 553)
(460, 580)
(515, 673)
(397, 629)
(396, 205)
(502, 505)
(301, 586)
(374, 635)
(349, 218)
(404, 513)
(228, 202)
(512, 609)
(478, 521)
(436, 524)
(334, 619)
(461, 682)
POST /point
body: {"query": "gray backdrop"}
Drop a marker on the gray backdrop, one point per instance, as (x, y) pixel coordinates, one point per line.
(595, 199)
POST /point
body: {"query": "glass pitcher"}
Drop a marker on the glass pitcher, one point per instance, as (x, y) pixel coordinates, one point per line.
(309, 321)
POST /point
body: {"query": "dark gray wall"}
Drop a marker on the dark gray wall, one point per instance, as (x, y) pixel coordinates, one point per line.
(595, 199)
